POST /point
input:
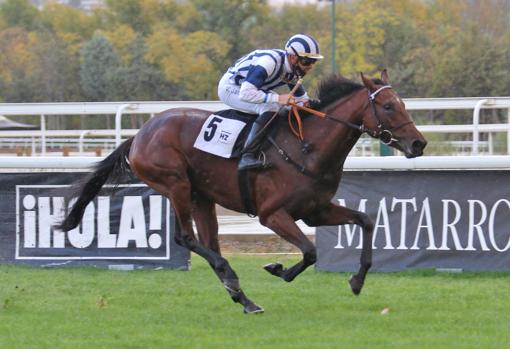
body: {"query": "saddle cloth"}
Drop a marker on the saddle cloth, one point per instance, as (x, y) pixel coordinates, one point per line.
(224, 133)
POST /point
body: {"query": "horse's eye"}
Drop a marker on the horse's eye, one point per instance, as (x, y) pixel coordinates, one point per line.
(388, 107)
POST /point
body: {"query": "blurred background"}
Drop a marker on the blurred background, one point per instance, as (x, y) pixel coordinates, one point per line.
(176, 50)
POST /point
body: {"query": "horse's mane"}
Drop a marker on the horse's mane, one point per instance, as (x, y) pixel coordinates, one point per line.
(334, 87)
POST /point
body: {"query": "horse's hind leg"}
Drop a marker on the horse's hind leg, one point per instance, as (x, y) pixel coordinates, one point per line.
(338, 215)
(283, 225)
(204, 214)
(178, 189)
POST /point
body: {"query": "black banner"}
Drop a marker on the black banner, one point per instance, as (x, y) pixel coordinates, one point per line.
(127, 226)
(423, 219)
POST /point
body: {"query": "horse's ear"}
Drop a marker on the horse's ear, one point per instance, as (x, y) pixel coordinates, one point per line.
(384, 77)
(367, 82)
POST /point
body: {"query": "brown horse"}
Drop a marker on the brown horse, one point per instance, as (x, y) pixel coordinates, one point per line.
(299, 184)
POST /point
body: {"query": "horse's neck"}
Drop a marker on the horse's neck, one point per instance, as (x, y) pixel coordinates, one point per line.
(332, 139)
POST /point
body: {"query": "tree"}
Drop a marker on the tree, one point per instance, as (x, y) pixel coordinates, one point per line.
(122, 38)
(56, 72)
(70, 24)
(145, 15)
(402, 39)
(67, 19)
(98, 62)
(174, 49)
(232, 21)
(458, 55)
(361, 36)
(19, 13)
(471, 64)
(139, 80)
(190, 61)
(20, 89)
(17, 65)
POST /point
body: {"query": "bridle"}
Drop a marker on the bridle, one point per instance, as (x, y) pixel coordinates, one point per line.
(385, 135)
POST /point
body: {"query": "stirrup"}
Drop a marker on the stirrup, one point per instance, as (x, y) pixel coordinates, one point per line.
(253, 163)
(249, 162)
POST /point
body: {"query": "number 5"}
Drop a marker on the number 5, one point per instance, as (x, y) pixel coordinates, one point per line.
(213, 126)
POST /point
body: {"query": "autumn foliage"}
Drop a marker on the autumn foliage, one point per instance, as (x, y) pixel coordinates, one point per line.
(178, 50)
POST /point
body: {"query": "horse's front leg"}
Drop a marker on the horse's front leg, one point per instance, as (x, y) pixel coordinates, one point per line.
(282, 224)
(339, 215)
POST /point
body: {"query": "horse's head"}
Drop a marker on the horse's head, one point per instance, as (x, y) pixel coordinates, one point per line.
(388, 120)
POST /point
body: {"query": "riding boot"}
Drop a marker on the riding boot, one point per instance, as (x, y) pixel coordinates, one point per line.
(251, 145)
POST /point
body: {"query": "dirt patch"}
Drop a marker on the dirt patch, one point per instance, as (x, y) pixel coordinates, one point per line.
(234, 242)
(243, 243)
(221, 211)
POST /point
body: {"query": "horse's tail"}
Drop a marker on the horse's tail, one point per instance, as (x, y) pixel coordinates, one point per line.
(112, 168)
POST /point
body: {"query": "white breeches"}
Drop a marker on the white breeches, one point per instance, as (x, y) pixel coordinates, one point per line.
(229, 94)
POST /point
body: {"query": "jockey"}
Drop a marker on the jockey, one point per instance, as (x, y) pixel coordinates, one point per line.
(248, 85)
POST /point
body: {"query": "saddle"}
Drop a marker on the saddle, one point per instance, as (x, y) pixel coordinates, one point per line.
(248, 119)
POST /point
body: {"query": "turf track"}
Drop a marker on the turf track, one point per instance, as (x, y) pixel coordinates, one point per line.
(91, 308)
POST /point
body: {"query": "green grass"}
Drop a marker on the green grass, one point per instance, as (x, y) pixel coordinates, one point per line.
(94, 308)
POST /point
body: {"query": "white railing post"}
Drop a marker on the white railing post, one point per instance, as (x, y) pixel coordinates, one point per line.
(80, 141)
(118, 121)
(508, 133)
(34, 146)
(43, 135)
(476, 122)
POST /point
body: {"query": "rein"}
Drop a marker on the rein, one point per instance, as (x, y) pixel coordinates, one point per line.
(381, 133)
(384, 135)
(299, 133)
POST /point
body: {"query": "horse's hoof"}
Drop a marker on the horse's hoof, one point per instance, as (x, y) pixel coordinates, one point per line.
(356, 285)
(274, 268)
(253, 309)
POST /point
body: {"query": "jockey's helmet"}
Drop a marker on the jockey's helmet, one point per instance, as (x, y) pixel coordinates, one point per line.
(303, 45)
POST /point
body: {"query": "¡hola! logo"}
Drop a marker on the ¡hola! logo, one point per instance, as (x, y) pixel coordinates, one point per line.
(134, 223)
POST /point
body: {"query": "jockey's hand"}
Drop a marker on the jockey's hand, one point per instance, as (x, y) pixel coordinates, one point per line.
(286, 99)
(311, 102)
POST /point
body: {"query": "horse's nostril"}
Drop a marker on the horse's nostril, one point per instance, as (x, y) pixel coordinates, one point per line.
(419, 145)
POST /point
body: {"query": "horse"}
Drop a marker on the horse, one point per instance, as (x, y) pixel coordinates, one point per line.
(299, 184)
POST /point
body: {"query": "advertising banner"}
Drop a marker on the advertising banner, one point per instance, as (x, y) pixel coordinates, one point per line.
(423, 219)
(127, 225)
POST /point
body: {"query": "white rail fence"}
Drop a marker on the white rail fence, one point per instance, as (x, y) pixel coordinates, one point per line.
(353, 163)
(43, 110)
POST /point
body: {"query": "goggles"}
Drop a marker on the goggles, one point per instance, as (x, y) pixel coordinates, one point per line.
(306, 61)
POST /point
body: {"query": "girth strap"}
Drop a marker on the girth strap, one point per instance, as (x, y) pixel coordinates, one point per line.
(287, 158)
(245, 191)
